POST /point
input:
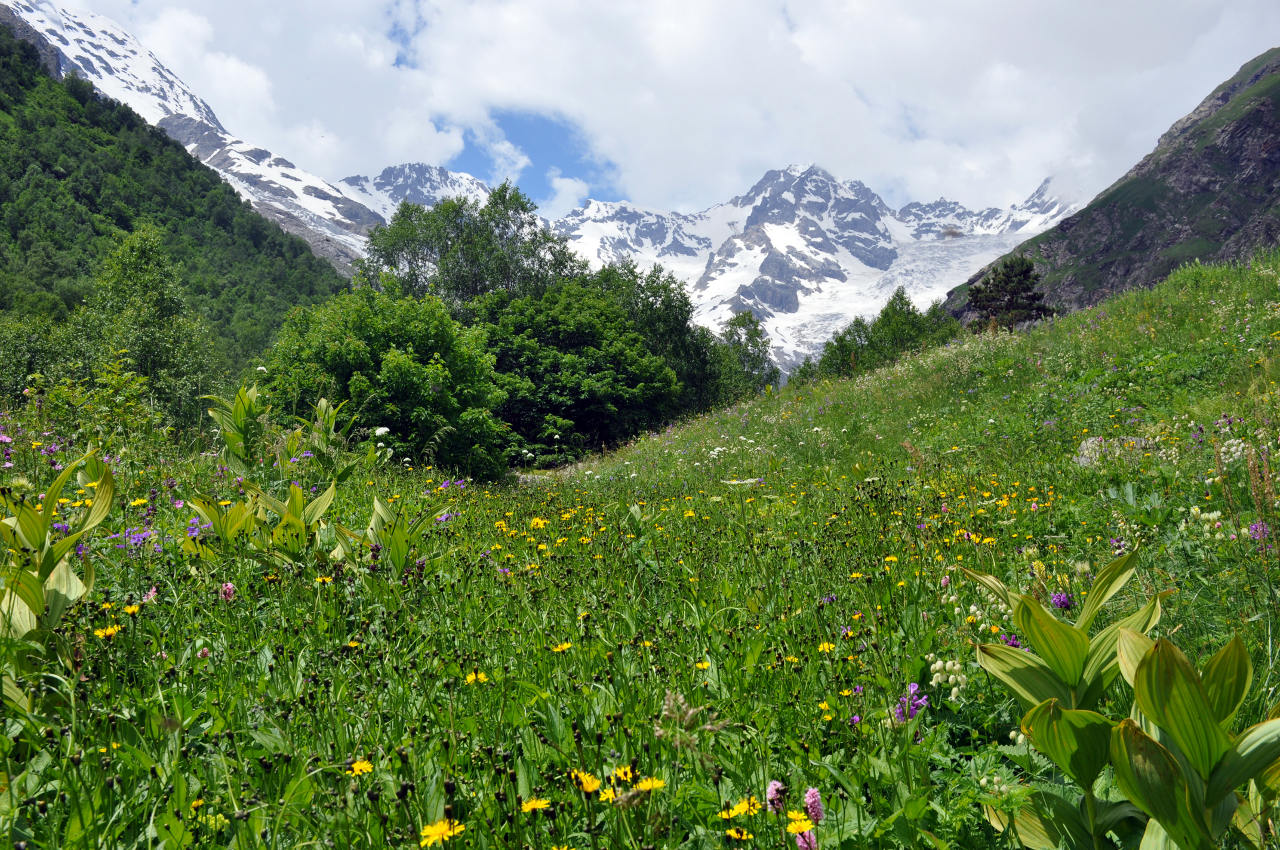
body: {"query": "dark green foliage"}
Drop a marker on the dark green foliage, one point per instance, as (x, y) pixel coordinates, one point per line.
(76, 170)
(1008, 293)
(586, 360)
(863, 345)
(404, 365)
(460, 249)
(748, 347)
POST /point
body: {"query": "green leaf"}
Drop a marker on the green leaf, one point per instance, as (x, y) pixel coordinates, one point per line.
(14, 695)
(1103, 665)
(16, 619)
(1226, 677)
(1078, 742)
(1149, 776)
(312, 513)
(1109, 582)
(1026, 674)
(1256, 750)
(1063, 647)
(994, 585)
(1168, 690)
(1131, 648)
(28, 588)
(62, 590)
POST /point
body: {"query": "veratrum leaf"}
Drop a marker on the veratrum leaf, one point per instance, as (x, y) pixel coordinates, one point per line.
(1063, 646)
(1257, 748)
(1102, 665)
(1149, 776)
(1026, 674)
(1226, 677)
(1131, 648)
(994, 585)
(1078, 742)
(1168, 690)
(1113, 577)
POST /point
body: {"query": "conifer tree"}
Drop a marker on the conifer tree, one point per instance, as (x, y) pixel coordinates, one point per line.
(1008, 294)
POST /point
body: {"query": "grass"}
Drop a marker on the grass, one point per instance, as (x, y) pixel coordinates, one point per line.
(627, 653)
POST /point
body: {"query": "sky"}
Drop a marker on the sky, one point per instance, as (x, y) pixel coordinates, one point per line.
(682, 104)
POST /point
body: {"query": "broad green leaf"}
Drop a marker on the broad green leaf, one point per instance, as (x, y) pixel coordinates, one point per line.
(14, 695)
(312, 513)
(1226, 677)
(1026, 674)
(1168, 690)
(103, 494)
(1109, 582)
(62, 590)
(1247, 821)
(1078, 742)
(1253, 752)
(1149, 776)
(1063, 647)
(1131, 648)
(1102, 665)
(16, 619)
(29, 589)
(994, 585)
(1155, 838)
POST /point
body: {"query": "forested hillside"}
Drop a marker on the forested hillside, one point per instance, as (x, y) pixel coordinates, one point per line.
(77, 171)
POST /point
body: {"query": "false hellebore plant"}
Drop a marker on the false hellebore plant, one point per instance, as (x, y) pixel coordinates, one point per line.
(1174, 759)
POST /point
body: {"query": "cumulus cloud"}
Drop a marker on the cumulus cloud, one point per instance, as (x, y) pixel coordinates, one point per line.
(566, 193)
(689, 103)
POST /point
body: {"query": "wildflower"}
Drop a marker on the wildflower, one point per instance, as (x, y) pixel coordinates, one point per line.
(745, 806)
(360, 767)
(534, 804)
(138, 502)
(107, 633)
(476, 676)
(622, 773)
(739, 834)
(826, 646)
(799, 822)
(203, 653)
(561, 647)
(910, 703)
(607, 795)
(1062, 601)
(197, 803)
(807, 841)
(650, 783)
(1259, 530)
(440, 832)
(702, 665)
(324, 579)
(132, 609)
(813, 805)
(775, 795)
(228, 591)
(585, 782)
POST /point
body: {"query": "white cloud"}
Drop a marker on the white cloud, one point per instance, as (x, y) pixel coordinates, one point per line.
(566, 193)
(692, 101)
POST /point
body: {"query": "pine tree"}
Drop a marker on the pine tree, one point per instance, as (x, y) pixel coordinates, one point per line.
(1008, 294)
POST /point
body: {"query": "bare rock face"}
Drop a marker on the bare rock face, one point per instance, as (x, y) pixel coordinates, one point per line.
(1210, 191)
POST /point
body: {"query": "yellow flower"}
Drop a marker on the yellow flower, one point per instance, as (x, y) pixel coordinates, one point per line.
(607, 795)
(561, 647)
(650, 783)
(702, 665)
(892, 559)
(132, 609)
(538, 522)
(440, 832)
(799, 825)
(826, 646)
(622, 773)
(534, 804)
(224, 502)
(476, 676)
(108, 632)
(739, 833)
(586, 783)
(197, 803)
(324, 579)
(360, 767)
(745, 806)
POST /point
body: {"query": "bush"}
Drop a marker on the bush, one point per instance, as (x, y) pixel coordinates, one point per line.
(405, 366)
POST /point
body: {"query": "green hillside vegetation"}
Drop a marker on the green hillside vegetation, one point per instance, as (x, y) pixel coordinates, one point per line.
(77, 171)
(834, 615)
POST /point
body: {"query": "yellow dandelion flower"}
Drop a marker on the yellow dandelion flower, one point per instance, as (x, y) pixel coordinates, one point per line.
(702, 665)
(107, 633)
(800, 825)
(440, 832)
(585, 782)
(534, 804)
(622, 773)
(132, 609)
(650, 783)
(739, 834)
(562, 647)
(607, 795)
(359, 767)
(324, 579)
(476, 676)
(826, 646)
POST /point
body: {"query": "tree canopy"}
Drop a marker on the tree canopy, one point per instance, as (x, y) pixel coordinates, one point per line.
(1008, 294)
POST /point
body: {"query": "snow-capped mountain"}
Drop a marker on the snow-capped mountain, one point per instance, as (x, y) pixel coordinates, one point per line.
(805, 252)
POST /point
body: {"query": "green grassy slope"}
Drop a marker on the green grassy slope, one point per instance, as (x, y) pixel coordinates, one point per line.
(746, 598)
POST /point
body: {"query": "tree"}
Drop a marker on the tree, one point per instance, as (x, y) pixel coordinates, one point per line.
(1008, 294)
(748, 346)
(405, 365)
(460, 249)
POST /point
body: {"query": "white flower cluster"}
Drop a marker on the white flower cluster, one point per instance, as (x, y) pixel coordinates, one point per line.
(1210, 522)
(1017, 738)
(947, 674)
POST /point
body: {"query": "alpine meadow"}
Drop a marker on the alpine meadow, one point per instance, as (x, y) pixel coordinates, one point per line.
(490, 546)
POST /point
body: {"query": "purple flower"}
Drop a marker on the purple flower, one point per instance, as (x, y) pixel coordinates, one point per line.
(813, 805)
(776, 796)
(806, 841)
(910, 703)
(203, 653)
(228, 591)
(1010, 639)
(1259, 530)
(149, 596)
(855, 720)
(1062, 601)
